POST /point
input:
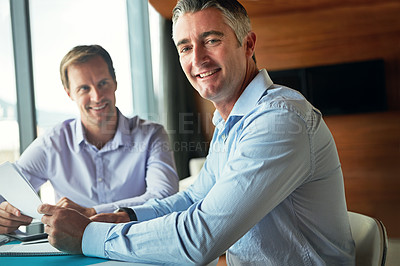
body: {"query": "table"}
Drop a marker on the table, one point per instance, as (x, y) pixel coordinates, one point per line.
(64, 260)
(50, 260)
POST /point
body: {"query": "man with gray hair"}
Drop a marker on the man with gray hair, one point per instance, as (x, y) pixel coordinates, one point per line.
(271, 190)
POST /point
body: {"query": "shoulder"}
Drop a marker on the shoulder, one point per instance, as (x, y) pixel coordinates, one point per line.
(282, 98)
(65, 127)
(281, 105)
(60, 132)
(138, 126)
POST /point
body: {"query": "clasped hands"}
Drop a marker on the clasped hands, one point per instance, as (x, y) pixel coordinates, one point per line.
(64, 222)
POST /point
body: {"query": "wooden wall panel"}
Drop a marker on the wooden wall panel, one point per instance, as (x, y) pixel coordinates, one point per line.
(327, 36)
(337, 35)
(369, 151)
(256, 8)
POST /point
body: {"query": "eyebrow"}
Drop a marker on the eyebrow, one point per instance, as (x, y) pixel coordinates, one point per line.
(202, 36)
(212, 32)
(184, 41)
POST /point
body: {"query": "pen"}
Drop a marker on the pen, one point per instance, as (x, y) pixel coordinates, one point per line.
(35, 242)
(4, 240)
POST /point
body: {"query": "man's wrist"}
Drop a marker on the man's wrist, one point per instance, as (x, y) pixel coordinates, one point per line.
(129, 211)
(90, 212)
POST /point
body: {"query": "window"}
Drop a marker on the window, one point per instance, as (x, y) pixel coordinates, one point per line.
(154, 23)
(55, 28)
(58, 26)
(9, 134)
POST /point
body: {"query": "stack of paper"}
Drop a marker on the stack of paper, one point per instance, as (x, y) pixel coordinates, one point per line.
(32, 249)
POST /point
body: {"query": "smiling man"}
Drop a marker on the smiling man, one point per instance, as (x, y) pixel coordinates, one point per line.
(103, 161)
(214, 61)
(93, 88)
(271, 190)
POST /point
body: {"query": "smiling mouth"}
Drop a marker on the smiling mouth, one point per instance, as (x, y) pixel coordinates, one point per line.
(207, 74)
(96, 108)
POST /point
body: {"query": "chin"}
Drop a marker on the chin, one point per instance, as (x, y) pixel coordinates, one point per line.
(206, 94)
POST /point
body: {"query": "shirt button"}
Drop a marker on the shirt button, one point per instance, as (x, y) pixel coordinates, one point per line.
(100, 179)
(223, 137)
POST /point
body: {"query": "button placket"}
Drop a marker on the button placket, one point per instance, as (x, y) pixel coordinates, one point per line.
(100, 178)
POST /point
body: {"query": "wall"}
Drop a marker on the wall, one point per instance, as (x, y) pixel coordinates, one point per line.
(332, 36)
(369, 150)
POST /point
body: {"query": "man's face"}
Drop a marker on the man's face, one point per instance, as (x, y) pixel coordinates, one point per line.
(93, 90)
(210, 55)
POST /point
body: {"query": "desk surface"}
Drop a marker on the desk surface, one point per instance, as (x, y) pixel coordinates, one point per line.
(50, 260)
(64, 260)
(67, 260)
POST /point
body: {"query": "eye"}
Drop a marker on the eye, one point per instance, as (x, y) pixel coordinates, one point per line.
(83, 89)
(103, 83)
(213, 41)
(185, 49)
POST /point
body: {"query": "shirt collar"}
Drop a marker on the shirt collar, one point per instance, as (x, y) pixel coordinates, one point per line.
(79, 135)
(250, 96)
(121, 137)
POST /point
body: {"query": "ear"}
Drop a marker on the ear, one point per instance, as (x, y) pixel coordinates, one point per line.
(68, 93)
(250, 43)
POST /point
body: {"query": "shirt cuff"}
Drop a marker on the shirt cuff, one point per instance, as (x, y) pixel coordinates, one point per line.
(105, 208)
(94, 238)
(144, 213)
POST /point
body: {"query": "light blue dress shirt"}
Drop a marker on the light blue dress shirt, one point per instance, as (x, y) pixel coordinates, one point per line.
(133, 167)
(270, 193)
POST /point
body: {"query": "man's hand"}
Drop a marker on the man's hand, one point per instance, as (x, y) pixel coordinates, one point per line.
(67, 203)
(119, 217)
(64, 226)
(11, 218)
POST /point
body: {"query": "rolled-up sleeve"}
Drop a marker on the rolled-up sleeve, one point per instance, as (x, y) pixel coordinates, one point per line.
(198, 231)
(160, 175)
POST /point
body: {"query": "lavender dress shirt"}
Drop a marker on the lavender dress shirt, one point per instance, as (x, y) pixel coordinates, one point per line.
(133, 167)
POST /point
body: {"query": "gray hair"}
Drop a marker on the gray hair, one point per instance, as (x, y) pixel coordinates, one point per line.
(234, 13)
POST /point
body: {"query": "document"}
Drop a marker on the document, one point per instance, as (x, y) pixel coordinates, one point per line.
(16, 189)
(39, 248)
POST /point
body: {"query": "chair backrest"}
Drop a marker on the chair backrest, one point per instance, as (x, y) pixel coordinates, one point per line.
(370, 238)
(195, 165)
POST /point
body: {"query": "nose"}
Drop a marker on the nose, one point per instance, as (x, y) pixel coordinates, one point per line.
(95, 94)
(199, 55)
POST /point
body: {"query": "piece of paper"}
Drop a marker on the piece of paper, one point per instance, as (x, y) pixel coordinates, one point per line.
(18, 191)
(38, 249)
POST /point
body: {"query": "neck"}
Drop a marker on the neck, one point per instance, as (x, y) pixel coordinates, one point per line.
(225, 107)
(99, 135)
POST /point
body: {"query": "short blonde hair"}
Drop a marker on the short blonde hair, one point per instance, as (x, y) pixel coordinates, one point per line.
(81, 54)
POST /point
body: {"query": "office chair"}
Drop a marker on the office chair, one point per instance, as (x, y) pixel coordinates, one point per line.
(370, 238)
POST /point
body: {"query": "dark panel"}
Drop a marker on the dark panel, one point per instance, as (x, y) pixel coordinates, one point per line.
(339, 89)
